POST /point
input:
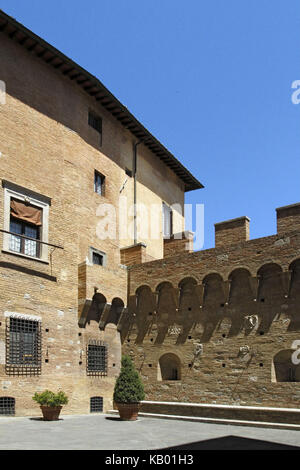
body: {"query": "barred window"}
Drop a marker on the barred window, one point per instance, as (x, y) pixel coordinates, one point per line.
(97, 358)
(23, 346)
(7, 406)
(96, 404)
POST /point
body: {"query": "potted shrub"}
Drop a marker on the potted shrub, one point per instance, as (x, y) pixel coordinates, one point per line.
(50, 403)
(129, 391)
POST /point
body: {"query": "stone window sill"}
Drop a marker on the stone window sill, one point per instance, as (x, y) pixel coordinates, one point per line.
(21, 255)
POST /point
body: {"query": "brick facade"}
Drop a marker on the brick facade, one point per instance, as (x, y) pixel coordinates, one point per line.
(48, 156)
(215, 326)
(224, 320)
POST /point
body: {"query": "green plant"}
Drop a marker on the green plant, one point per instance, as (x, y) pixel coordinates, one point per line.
(129, 387)
(48, 398)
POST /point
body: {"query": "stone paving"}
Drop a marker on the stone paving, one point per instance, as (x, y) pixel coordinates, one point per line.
(92, 432)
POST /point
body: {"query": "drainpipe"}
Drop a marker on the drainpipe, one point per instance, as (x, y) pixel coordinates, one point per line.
(134, 189)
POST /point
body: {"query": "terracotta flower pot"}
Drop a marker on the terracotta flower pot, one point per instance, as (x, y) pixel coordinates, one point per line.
(51, 413)
(128, 411)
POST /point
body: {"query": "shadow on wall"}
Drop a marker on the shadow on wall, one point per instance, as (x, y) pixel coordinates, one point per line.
(103, 313)
(64, 101)
(246, 303)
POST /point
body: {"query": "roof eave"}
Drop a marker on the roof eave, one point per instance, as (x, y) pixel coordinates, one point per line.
(95, 88)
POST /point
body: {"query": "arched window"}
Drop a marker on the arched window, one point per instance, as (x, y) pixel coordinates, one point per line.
(169, 367)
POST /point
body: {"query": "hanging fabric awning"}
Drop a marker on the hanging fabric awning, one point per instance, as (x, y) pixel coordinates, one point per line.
(26, 212)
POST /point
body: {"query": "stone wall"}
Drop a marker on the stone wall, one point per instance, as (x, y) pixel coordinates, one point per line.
(230, 315)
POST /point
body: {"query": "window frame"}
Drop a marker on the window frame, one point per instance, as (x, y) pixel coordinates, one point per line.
(10, 408)
(170, 214)
(23, 240)
(19, 346)
(93, 251)
(101, 370)
(23, 195)
(103, 179)
(94, 402)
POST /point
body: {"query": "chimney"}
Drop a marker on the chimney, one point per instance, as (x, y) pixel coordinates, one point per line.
(288, 218)
(233, 231)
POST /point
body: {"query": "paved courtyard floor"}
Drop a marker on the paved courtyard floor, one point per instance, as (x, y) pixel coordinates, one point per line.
(92, 432)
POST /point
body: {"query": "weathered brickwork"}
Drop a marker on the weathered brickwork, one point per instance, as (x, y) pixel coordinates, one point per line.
(215, 326)
(221, 321)
(232, 231)
(181, 242)
(50, 153)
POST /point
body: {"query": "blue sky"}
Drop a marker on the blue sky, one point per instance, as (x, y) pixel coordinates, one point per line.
(211, 79)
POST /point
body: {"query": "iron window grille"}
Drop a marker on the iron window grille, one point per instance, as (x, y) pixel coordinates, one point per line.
(96, 358)
(7, 406)
(96, 405)
(99, 183)
(23, 347)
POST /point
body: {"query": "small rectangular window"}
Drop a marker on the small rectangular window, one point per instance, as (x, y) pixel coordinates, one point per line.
(98, 259)
(99, 183)
(167, 221)
(96, 123)
(96, 358)
(96, 405)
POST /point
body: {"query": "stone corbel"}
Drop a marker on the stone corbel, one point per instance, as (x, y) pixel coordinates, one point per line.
(254, 285)
(199, 292)
(104, 316)
(122, 317)
(286, 278)
(154, 302)
(175, 296)
(132, 305)
(226, 285)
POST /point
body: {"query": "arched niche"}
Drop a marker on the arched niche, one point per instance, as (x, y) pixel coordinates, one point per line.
(283, 368)
(294, 268)
(270, 295)
(145, 311)
(169, 367)
(213, 290)
(240, 288)
(166, 302)
(293, 300)
(270, 282)
(240, 300)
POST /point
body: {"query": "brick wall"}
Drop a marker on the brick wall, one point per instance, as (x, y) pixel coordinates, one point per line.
(232, 231)
(181, 242)
(48, 148)
(229, 314)
(288, 218)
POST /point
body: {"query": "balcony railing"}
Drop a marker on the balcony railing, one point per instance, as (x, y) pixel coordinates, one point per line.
(35, 244)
